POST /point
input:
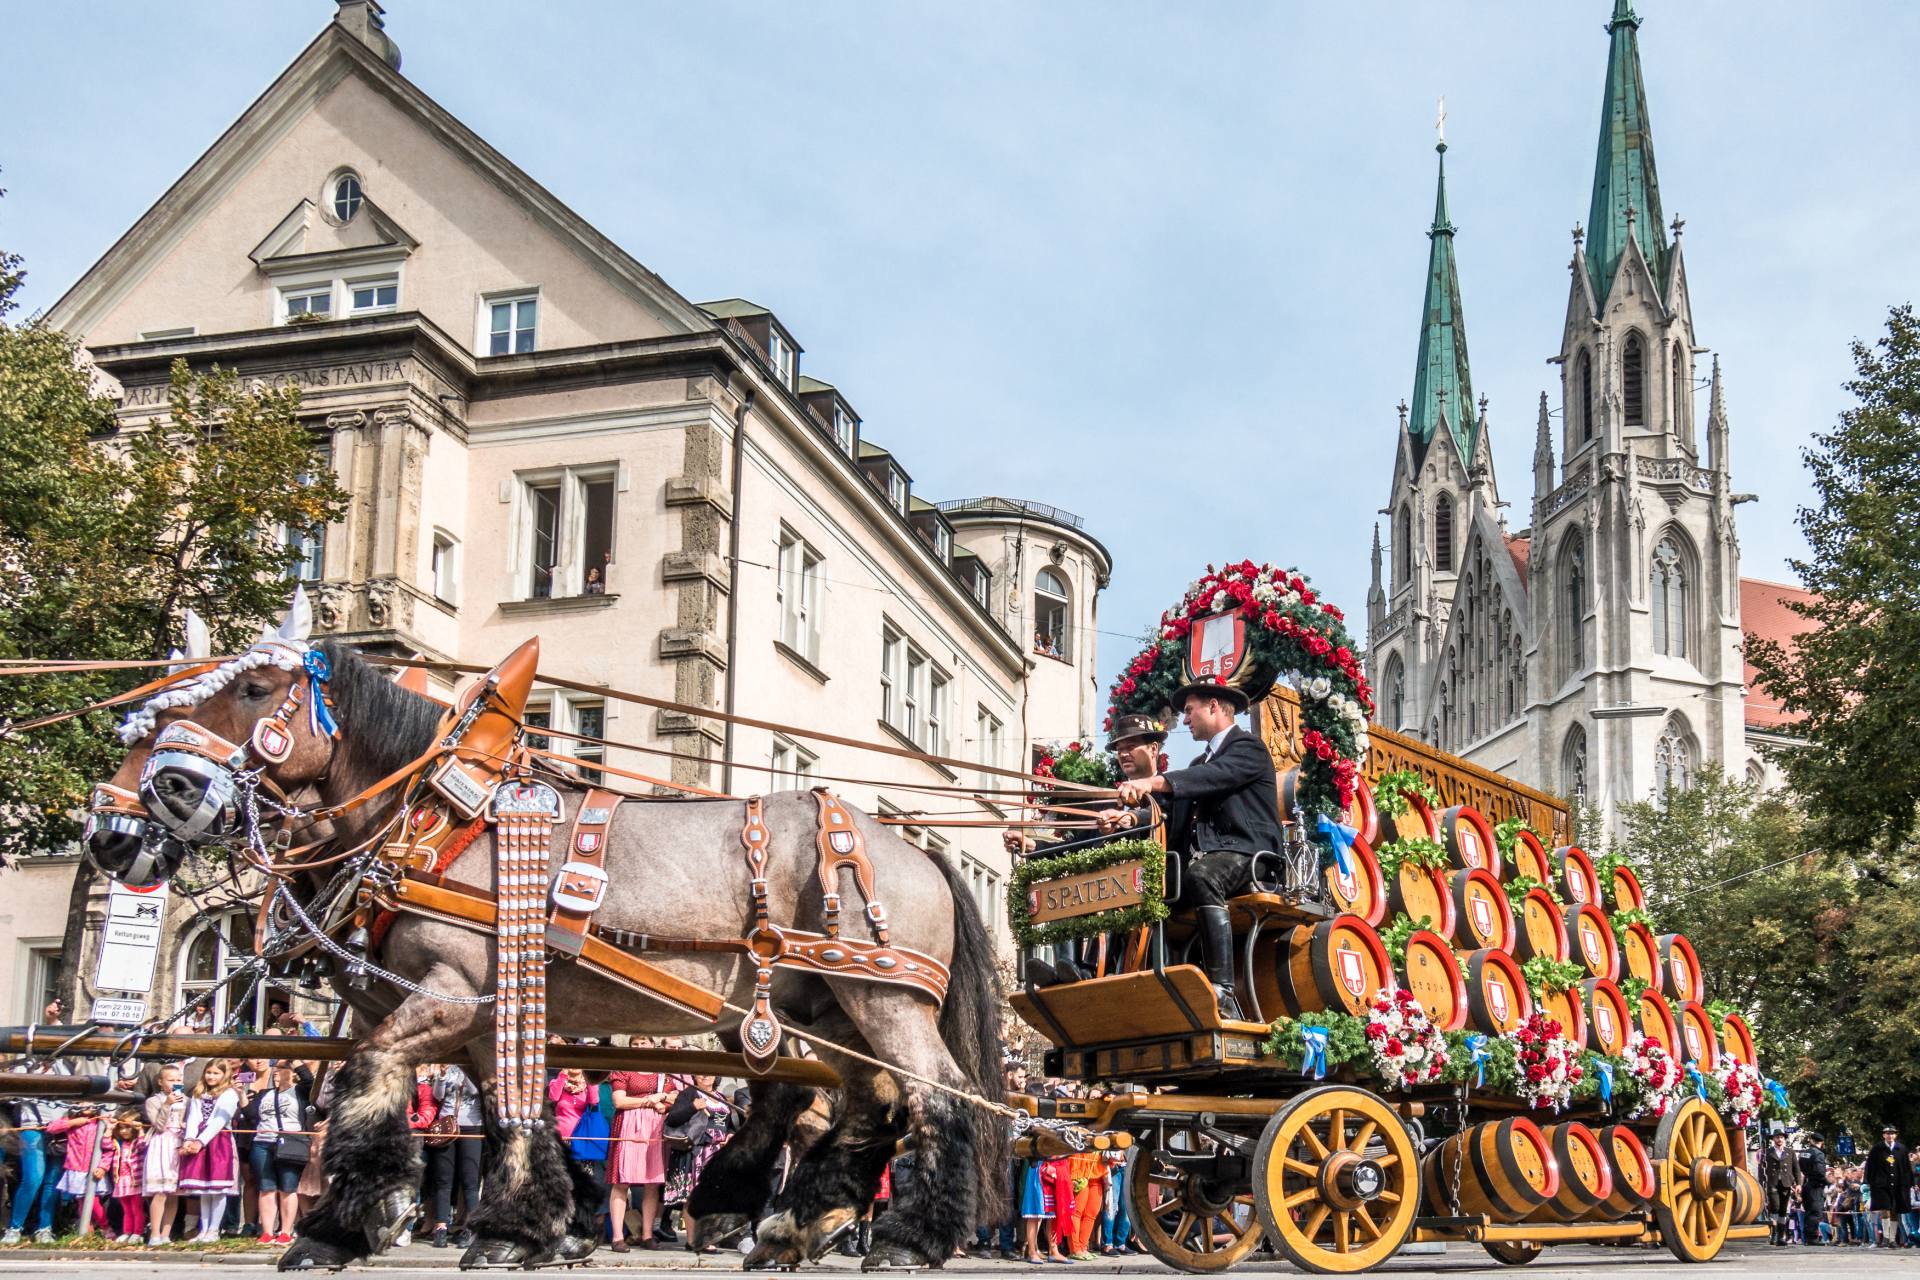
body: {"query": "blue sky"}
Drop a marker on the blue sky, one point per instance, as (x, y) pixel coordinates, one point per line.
(1157, 264)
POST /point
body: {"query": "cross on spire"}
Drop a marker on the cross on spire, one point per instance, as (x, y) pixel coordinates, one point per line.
(1440, 122)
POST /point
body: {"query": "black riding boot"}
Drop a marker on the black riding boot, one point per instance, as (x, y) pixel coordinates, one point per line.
(1216, 942)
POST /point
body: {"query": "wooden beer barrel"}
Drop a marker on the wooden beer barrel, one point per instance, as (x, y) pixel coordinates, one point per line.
(1529, 858)
(1697, 1039)
(1680, 968)
(1749, 1201)
(1573, 872)
(1362, 816)
(1654, 1017)
(1566, 1008)
(1586, 1175)
(1633, 1181)
(1497, 996)
(1433, 976)
(1421, 892)
(1416, 820)
(1736, 1040)
(1542, 929)
(1338, 964)
(1468, 836)
(1482, 916)
(1504, 1170)
(1593, 941)
(1609, 1021)
(1625, 892)
(1640, 954)
(1358, 890)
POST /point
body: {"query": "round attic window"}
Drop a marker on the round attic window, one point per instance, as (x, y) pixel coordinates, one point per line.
(347, 197)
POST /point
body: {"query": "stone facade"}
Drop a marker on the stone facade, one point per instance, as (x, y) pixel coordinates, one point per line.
(1595, 654)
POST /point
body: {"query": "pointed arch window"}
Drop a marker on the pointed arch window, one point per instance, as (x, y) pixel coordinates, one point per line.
(1584, 387)
(1403, 547)
(1443, 534)
(1573, 765)
(1682, 421)
(1572, 624)
(1673, 759)
(1633, 381)
(1667, 592)
(1396, 692)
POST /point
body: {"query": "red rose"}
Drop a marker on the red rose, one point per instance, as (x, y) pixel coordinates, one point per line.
(1375, 1030)
(1394, 1049)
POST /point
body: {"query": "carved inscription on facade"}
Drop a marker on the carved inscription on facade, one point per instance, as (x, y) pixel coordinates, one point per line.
(318, 378)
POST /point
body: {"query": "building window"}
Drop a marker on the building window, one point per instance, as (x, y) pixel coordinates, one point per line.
(1051, 633)
(1396, 692)
(309, 304)
(43, 983)
(347, 197)
(1667, 594)
(843, 429)
(310, 550)
(538, 717)
(980, 588)
(510, 325)
(943, 543)
(219, 947)
(1443, 534)
(983, 883)
(1402, 547)
(1682, 422)
(1573, 765)
(589, 721)
(1633, 381)
(939, 688)
(1672, 761)
(893, 677)
(569, 533)
(914, 700)
(780, 352)
(374, 295)
(569, 720)
(792, 765)
(1573, 600)
(897, 491)
(446, 568)
(1756, 775)
(1584, 387)
(989, 739)
(797, 588)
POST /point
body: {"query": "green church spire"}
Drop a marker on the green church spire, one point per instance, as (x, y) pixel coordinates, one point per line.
(1442, 385)
(1626, 191)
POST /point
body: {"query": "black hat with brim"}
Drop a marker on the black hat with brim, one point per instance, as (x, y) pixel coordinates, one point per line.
(1226, 693)
(1128, 727)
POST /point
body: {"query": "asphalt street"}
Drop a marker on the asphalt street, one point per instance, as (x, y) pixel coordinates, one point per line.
(1634, 1263)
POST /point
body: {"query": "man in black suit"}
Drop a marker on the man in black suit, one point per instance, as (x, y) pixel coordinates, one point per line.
(1779, 1175)
(1889, 1184)
(1813, 1187)
(1228, 810)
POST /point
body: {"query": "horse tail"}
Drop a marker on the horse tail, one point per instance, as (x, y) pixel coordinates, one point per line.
(970, 1029)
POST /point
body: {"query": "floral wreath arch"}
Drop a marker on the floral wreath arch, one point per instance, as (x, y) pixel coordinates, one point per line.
(1289, 630)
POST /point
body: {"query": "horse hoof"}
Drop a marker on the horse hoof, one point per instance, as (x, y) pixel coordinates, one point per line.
(307, 1254)
(397, 1212)
(767, 1256)
(719, 1229)
(484, 1254)
(895, 1256)
(570, 1252)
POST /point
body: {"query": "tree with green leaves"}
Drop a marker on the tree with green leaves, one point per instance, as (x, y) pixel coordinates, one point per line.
(110, 533)
(1857, 690)
(1819, 955)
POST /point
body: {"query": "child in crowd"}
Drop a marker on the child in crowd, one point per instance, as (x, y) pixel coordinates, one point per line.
(123, 1163)
(209, 1165)
(82, 1126)
(160, 1178)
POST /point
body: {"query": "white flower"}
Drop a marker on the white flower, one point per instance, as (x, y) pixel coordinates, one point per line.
(1319, 687)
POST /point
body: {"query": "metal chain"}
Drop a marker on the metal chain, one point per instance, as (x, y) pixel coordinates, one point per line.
(353, 958)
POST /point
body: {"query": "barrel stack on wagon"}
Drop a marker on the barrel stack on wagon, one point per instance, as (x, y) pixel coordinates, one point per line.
(1293, 1126)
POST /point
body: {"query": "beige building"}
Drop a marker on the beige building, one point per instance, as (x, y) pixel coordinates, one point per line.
(542, 437)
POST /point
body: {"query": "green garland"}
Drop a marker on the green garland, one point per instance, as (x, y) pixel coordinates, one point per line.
(1603, 868)
(1543, 974)
(1717, 1011)
(1633, 989)
(1394, 936)
(1520, 886)
(1626, 916)
(1501, 1068)
(1419, 850)
(1507, 833)
(1389, 792)
(1346, 1040)
(1151, 909)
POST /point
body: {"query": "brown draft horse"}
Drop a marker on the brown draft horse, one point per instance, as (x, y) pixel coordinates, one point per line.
(676, 871)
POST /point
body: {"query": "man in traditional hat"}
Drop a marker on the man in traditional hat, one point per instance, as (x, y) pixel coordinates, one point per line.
(1232, 812)
(1889, 1184)
(1135, 742)
(1813, 1186)
(1779, 1175)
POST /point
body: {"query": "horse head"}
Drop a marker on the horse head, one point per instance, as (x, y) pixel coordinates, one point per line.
(261, 719)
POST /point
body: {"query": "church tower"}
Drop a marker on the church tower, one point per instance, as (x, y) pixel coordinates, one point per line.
(1633, 567)
(1443, 484)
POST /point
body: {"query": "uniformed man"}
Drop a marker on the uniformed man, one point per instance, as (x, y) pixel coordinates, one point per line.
(1813, 1186)
(1227, 810)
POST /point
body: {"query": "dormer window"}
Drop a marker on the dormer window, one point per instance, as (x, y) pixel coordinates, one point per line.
(374, 295)
(780, 352)
(347, 196)
(309, 304)
(897, 491)
(843, 429)
(943, 543)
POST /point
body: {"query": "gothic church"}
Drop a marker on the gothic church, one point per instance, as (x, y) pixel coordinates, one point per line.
(1595, 654)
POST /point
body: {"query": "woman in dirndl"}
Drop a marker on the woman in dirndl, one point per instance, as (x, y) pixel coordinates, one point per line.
(209, 1164)
(166, 1113)
(639, 1159)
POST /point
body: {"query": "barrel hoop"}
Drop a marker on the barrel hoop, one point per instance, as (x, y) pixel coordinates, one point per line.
(1484, 1177)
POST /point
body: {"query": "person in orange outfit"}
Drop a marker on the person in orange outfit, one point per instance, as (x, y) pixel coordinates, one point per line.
(1088, 1172)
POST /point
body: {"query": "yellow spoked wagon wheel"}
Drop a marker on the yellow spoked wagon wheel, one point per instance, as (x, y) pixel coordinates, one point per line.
(1335, 1181)
(1186, 1215)
(1694, 1207)
(1512, 1253)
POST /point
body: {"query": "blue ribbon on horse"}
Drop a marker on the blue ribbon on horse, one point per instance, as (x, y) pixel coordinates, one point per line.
(1477, 1046)
(1699, 1084)
(1777, 1091)
(319, 671)
(1605, 1069)
(1315, 1058)
(1341, 837)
